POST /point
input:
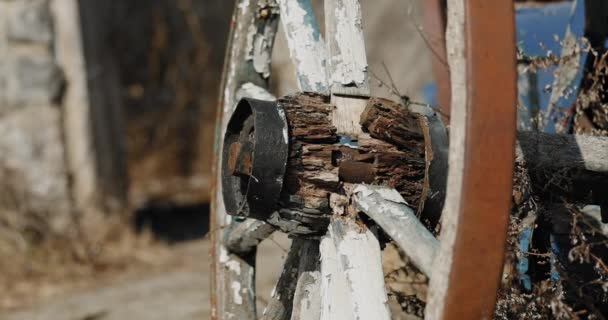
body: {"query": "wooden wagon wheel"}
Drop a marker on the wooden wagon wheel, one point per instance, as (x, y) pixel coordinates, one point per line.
(339, 276)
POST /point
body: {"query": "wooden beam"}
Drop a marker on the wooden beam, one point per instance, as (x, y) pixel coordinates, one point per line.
(390, 211)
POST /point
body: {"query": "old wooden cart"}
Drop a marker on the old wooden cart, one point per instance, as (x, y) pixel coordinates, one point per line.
(332, 165)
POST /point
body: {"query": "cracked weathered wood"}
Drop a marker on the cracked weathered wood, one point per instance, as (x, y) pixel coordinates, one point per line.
(424, 139)
(307, 297)
(244, 237)
(306, 46)
(317, 163)
(390, 211)
(281, 300)
(582, 158)
(360, 256)
(247, 62)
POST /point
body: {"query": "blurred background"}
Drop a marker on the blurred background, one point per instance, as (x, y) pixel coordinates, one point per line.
(107, 122)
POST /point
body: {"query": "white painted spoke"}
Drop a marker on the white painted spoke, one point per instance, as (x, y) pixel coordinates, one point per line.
(306, 46)
(389, 210)
(360, 258)
(335, 294)
(307, 298)
(243, 237)
(347, 59)
(347, 64)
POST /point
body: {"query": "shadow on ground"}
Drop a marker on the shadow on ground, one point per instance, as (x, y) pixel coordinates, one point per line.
(171, 222)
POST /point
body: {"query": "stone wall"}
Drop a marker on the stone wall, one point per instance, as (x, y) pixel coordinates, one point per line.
(33, 176)
(61, 139)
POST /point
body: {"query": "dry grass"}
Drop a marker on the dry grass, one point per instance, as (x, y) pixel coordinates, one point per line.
(77, 259)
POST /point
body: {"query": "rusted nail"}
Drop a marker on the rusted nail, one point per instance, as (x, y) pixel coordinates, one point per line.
(356, 172)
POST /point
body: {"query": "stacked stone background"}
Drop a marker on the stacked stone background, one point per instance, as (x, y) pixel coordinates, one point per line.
(34, 187)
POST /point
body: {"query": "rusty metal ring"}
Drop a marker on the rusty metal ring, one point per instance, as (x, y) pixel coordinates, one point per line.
(254, 159)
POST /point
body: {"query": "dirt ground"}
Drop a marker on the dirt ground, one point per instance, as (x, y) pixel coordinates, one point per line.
(175, 287)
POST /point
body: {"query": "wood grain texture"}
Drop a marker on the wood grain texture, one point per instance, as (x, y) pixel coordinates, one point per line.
(318, 163)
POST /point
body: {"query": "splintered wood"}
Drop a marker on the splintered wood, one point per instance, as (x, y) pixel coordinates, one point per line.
(320, 160)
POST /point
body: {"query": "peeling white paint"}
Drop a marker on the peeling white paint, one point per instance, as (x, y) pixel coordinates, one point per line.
(307, 299)
(250, 90)
(251, 35)
(231, 264)
(259, 48)
(223, 255)
(389, 194)
(236, 290)
(388, 209)
(234, 266)
(335, 295)
(348, 56)
(285, 131)
(361, 261)
(306, 46)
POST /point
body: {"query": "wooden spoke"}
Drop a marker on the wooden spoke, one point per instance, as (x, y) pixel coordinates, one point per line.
(563, 151)
(467, 270)
(335, 294)
(360, 258)
(244, 237)
(307, 297)
(281, 300)
(247, 62)
(306, 46)
(347, 60)
(347, 64)
(389, 210)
